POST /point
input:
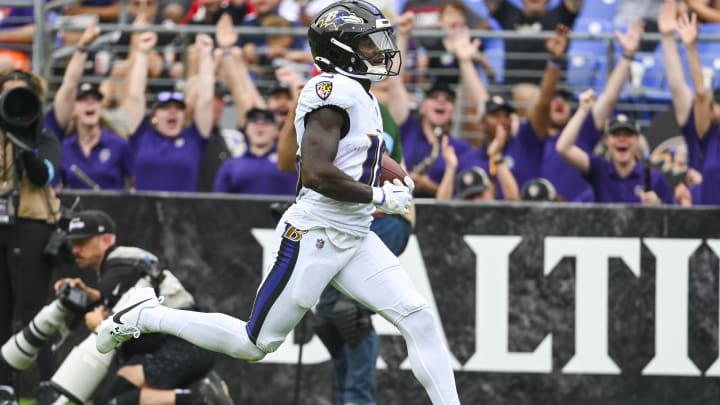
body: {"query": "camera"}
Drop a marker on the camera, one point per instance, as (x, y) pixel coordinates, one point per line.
(20, 117)
(58, 247)
(73, 298)
(22, 348)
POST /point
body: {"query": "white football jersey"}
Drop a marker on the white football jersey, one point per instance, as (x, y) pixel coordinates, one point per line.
(359, 152)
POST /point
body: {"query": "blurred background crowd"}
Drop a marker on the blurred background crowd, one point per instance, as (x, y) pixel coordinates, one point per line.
(555, 100)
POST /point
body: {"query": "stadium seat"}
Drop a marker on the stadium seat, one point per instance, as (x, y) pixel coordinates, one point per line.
(587, 58)
(494, 49)
(655, 89)
(709, 51)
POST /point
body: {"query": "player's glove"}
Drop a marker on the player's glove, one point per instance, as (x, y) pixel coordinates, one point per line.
(395, 197)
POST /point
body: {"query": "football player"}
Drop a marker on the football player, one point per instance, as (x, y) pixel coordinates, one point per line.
(324, 237)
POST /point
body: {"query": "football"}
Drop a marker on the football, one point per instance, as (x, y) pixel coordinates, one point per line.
(391, 170)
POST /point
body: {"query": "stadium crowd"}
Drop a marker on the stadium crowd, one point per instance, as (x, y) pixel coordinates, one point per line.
(489, 117)
(495, 100)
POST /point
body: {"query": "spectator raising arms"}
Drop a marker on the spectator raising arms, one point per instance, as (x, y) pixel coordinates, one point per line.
(698, 118)
(524, 150)
(569, 184)
(621, 177)
(93, 155)
(421, 130)
(234, 68)
(167, 156)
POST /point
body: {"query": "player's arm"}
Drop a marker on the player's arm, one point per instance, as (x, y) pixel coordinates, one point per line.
(323, 131)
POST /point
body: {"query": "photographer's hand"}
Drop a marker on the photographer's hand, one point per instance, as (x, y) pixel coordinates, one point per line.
(93, 294)
(95, 317)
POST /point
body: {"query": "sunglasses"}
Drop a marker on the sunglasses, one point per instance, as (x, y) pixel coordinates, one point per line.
(138, 3)
(165, 96)
(440, 96)
(261, 119)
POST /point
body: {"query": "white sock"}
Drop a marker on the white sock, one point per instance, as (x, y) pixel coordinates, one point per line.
(212, 331)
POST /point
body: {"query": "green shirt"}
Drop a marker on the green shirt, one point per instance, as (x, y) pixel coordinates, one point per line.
(393, 143)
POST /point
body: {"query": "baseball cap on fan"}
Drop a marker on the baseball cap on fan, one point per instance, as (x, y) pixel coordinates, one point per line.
(538, 189)
(441, 87)
(88, 88)
(471, 182)
(169, 97)
(496, 103)
(622, 122)
(86, 224)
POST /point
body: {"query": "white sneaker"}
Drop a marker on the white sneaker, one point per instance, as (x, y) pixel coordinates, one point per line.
(123, 324)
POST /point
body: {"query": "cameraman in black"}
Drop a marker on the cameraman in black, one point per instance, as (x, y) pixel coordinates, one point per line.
(29, 210)
(154, 368)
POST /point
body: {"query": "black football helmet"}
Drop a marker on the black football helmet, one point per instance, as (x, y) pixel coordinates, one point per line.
(353, 38)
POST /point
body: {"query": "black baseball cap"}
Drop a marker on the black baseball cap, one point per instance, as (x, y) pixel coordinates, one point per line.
(168, 97)
(88, 88)
(496, 103)
(471, 182)
(85, 224)
(622, 122)
(263, 113)
(538, 189)
(441, 86)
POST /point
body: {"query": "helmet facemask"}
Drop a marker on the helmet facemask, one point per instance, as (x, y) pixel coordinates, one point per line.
(373, 56)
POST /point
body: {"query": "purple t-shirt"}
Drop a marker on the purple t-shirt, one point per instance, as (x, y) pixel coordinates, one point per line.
(108, 165)
(416, 148)
(53, 125)
(568, 182)
(166, 164)
(704, 155)
(609, 187)
(523, 154)
(251, 174)
(11, 17)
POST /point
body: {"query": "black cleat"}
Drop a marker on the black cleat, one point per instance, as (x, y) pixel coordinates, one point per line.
(213, 390)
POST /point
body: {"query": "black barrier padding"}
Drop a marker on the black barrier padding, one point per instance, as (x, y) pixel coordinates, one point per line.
(206, 240)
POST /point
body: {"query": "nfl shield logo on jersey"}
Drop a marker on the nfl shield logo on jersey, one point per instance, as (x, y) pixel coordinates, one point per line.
(323, 89)
(319, 243)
